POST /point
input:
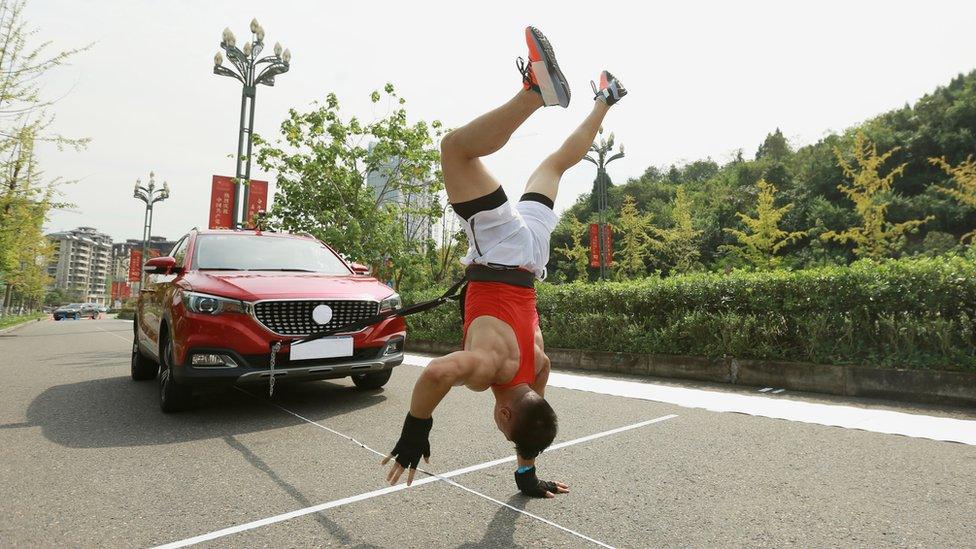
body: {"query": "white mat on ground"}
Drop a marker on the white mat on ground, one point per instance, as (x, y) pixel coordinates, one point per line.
(835, 415)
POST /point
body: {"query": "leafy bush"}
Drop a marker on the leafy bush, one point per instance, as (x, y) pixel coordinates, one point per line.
(909, 313)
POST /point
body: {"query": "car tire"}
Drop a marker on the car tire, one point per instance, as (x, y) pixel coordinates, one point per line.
(372, 380)
(173, 396)
(76, 316)
(143, 368)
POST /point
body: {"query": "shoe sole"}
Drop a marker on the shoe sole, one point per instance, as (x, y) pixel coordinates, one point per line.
(552, 82)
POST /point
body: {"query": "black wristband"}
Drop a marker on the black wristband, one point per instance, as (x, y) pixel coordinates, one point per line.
(413, 441)
(530, 485)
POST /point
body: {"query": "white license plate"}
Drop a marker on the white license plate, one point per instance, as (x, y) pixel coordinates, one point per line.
(327, 347)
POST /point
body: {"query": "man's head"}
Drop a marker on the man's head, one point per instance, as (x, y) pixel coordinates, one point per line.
(527, 420)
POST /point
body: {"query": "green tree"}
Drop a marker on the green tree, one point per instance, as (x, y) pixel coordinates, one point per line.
(577, 254)
(876, 237)
(633, 242)
(763, 238)
(678, 244)
(964, 177)
(25, 197)
(321, 163)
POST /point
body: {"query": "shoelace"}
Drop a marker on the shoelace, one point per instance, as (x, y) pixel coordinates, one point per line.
(525, 69)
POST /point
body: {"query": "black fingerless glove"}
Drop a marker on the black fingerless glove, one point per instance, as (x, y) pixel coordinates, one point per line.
(413, 442)
(530, 485)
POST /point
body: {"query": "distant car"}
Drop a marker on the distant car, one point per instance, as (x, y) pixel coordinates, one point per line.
(71, 310)
(209, 314)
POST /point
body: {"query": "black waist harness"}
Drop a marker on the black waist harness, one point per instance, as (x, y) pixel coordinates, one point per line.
(515, 277)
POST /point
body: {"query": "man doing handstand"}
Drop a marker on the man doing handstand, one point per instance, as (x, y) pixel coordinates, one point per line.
(508, 248)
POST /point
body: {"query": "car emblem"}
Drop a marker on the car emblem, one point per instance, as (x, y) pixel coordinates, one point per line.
(322, 314)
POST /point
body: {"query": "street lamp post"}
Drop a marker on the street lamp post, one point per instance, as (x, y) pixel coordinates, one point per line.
(600, 189)
(250, 71)
(150, 195)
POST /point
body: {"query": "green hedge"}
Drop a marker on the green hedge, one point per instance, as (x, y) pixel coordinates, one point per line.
(910, 313)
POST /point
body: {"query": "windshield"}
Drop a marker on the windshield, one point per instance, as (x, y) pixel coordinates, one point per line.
(265, 253)
(74, 305)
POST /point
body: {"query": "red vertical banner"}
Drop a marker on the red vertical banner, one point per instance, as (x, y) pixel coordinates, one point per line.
(221, 202)
(257, 200)
(135, 265)
(608, 244)
(594, 245)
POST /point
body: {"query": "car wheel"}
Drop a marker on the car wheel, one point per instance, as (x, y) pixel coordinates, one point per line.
(173, 396)
(142, 367)
(372, 380)
(76, 316)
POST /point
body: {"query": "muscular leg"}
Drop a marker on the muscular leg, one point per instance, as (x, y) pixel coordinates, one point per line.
(465, 177)
(545, 179)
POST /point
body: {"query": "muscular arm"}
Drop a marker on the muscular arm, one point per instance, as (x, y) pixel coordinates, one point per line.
(438, 378)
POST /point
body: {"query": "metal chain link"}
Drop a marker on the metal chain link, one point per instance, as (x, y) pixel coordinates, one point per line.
(271, 367)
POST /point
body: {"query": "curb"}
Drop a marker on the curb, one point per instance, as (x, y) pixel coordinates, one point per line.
(927, 386)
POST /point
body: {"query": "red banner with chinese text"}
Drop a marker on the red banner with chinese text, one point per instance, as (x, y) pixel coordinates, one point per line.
(221, 202)
(121, 290)
(257, 200)
(594, 245)
(135, 265)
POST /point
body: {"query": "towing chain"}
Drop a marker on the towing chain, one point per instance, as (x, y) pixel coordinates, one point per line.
(271, 367)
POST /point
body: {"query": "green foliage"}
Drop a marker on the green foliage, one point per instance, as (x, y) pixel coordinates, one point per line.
(321, 162)
(964, 178)
(678, 245)
(876, 237)
(939, 125)
(13, 320)
(906, 313)
(575, 252)
(25, 197)
(633, 242)
(764, 238)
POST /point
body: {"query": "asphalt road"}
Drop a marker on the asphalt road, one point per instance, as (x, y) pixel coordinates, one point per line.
(89, 460)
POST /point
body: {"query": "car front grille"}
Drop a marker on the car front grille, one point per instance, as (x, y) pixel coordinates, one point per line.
(295, 317)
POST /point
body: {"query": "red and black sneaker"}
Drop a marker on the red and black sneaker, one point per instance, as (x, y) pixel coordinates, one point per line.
(610, 91)
(541, 74)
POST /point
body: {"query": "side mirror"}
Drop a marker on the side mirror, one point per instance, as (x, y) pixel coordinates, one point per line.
(160, 265)
(359, 268)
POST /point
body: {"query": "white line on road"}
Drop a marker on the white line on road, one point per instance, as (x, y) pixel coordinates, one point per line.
(419, 482)
(764, 389)
(834, 415)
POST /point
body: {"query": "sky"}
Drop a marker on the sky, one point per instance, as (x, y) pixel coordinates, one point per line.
(705, 79)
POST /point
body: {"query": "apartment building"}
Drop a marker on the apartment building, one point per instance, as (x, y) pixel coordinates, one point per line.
(81, 263)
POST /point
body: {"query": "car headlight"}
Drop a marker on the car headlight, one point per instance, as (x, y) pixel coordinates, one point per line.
(213, 305)
(391, 303)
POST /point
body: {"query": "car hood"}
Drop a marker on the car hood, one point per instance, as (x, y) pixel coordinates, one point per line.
(67, 309)
(253, 286)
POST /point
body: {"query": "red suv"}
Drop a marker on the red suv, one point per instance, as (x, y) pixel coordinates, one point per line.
(210, 313)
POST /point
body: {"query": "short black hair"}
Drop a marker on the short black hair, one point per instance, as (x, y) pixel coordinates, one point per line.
(534, 427)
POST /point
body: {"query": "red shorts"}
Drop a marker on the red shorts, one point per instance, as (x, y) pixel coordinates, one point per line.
(513, 305)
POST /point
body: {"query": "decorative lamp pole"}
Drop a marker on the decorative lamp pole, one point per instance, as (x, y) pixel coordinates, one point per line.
(600, 186)
(150, 195)
(250, 71)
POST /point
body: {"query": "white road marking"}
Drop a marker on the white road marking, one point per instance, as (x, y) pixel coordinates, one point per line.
(764, 389)
(126, 339)
(418, 482)
(834, 415)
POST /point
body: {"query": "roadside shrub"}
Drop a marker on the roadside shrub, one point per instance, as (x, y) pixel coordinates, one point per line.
(908, 313)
